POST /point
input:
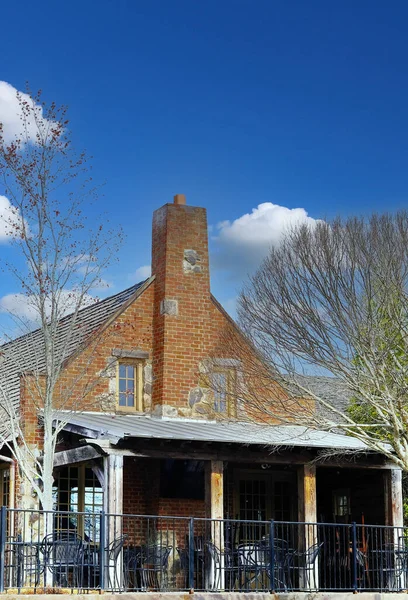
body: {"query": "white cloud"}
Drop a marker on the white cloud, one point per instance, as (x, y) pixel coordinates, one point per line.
(11, 115)
(23, 306)
(241, 244)
(142, 273)
(101, 284)
(10, 220)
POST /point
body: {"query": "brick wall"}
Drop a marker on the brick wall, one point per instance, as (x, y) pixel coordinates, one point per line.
(182, 305)
(141, 496)
(174, 320)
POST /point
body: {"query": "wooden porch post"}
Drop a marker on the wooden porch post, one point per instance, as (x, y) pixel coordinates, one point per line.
(307, 513)
(394, 516)
(214, 498)
(113, 505)
(393, 498)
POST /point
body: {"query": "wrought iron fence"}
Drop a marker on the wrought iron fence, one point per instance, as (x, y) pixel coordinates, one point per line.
(88, 551)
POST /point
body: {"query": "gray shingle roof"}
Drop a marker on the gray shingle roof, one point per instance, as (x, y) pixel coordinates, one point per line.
(330, 389)
(26, 353)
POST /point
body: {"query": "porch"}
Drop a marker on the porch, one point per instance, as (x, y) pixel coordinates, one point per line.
(155, 504)
(222, 470)
(137, 553)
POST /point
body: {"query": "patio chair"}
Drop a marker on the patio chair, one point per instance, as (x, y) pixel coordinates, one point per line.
(303, 564)
(388, 566)
(117, 579)
(231, 567)
(116, 576)
(154, 565)
(63, 558)
(132, 561)
(212, 567)
(254, 567)
(23, 565)
(184, 564)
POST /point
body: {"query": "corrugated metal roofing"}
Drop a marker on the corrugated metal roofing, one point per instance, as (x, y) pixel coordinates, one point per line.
(117, 427)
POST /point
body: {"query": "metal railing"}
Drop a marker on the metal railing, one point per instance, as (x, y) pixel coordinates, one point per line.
(89, 551)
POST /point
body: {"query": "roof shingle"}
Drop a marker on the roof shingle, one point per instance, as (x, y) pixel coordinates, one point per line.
(26, 353)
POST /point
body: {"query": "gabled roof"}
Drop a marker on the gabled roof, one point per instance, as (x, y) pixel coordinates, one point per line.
(115, 427)
(26, 353)
(330, 389)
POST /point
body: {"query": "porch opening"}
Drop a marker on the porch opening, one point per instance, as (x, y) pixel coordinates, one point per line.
(347, 495)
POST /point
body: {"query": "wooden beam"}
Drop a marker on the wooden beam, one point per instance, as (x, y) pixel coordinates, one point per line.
(214, 495)
(358, 464)
(113, 505)
(394, 515)
(307, 513)
(114, 483)
(75, 455)
(248, 454)
(239, 455)
(307, 509)
(214, 470)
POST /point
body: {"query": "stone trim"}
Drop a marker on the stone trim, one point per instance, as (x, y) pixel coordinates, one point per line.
(119, 353)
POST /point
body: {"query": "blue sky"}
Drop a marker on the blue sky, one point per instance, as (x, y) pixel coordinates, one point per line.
(234, 103)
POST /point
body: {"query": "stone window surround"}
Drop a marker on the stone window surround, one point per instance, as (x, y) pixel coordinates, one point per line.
(230, 367)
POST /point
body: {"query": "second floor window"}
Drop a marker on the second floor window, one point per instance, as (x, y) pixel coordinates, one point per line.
(222, 385)
(130, 385)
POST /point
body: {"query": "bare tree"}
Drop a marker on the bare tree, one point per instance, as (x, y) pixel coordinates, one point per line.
(56, 258)
(331, 300)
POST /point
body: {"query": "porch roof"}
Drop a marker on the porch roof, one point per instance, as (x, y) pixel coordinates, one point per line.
(114, 427)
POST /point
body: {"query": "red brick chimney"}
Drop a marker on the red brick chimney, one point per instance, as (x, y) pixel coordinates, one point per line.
(181, 328)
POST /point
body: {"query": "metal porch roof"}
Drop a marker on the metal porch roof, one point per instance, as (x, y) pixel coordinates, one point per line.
(117, 427)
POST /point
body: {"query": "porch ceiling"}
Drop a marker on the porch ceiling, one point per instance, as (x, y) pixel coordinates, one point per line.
(115, 427)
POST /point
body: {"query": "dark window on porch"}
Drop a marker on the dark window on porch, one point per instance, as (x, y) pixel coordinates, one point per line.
(182, 479)
(261, 495)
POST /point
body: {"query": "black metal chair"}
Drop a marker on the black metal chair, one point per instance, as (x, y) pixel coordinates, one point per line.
(132, 562)
(302, 564)
(115, 575)
(23, 564)
(154, 565)
(389, 567)
(63, 559)
(184, 565)
(252, 567)
(262, 569)
(212, 567)
(232, 567)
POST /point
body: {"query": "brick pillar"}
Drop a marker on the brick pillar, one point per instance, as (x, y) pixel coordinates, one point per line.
(182, 302)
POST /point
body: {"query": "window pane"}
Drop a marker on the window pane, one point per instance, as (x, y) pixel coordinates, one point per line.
(122, 399)
(221, 406)
(122, 370)
(130, 371)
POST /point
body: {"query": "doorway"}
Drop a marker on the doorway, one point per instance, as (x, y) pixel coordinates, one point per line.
(264, 495)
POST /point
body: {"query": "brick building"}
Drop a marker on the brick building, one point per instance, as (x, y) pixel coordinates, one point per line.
(152, 425)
